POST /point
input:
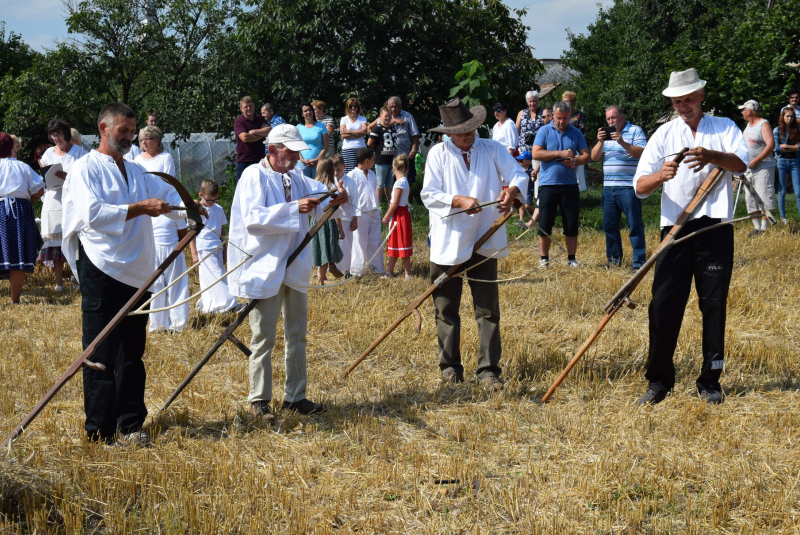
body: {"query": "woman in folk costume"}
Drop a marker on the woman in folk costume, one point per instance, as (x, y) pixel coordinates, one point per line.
(19, 237)
(66, 154)
(215, 298)
(167, 233)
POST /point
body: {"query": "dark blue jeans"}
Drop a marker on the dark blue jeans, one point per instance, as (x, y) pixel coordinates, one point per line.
(616, 201)
(788, 165)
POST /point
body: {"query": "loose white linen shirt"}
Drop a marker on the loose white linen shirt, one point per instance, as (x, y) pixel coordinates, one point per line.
(714, 133)
(95, 205)
(446, 176)
(506, 134)
(367, 195)
(270, 229)
(18, 179)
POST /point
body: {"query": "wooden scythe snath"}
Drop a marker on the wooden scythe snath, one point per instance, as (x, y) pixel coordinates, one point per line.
(622, 297)
(195, 225)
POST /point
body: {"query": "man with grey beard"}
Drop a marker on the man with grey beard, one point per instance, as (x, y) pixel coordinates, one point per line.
(109, 240)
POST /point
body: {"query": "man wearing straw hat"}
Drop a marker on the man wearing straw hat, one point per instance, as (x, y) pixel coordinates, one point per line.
(707, 257)
(460, 174)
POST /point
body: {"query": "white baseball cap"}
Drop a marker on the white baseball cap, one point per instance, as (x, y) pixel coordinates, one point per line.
(750, 105)
(288, 135)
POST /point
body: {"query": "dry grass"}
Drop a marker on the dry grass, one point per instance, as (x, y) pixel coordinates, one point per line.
(587, 462)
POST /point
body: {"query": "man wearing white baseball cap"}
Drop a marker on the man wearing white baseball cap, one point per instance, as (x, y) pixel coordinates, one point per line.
(761, 169)
(708, 257)
(269, 218)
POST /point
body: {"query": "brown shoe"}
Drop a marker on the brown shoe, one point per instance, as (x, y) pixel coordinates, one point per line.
(452, 376)
(333, 270)
(491, 383)
(304, 407)
(262, 410)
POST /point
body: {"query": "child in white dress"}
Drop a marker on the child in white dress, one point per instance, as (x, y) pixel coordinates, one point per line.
(217, 298)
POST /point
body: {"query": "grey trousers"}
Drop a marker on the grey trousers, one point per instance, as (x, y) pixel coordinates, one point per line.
(264, 323)
(486, 304)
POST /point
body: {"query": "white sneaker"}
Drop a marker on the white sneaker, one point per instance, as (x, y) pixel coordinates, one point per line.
(543, 264)
(572, 263)
(784, 220)
(58, 289)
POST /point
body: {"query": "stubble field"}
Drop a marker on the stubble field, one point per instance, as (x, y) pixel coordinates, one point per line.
(399, 453)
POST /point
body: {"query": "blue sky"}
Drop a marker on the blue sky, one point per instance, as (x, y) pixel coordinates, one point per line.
(41, 22)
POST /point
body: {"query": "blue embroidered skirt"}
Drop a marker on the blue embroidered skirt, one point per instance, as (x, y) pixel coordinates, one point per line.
(20, 240)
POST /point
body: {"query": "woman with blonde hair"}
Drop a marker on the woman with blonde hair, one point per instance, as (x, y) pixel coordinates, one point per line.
(167, 232)
(325, 250)
(319, 111)
(353, 128)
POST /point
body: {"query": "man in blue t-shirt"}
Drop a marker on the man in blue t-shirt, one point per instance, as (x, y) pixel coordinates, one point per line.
(620, 154)
(561, 148)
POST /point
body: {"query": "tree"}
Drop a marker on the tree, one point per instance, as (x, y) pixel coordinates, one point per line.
(333, 49)
(15, 56)
(146, 53)
(739, 46)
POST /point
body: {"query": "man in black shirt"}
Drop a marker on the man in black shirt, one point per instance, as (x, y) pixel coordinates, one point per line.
(383, 140)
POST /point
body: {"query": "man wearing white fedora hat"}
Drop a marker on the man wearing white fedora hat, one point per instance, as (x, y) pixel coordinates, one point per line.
(707, 257)
(269, 218)
(460, 174)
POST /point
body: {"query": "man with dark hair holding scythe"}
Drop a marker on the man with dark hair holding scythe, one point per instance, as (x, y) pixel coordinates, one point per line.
(108, 237)
(707, 257)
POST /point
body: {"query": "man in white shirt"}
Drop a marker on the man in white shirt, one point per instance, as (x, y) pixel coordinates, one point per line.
(459, 174)
(269, 219)
(108, 202)
(707, 257)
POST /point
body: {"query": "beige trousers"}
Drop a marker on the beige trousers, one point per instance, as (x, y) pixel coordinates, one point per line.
(264, 323)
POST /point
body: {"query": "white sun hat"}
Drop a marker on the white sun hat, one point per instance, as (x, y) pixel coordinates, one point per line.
(682, 83)
(288, 135)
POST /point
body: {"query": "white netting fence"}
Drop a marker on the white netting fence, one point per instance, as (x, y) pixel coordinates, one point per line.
(201, 156)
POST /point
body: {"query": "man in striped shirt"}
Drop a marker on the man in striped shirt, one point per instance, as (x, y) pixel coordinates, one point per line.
(620, 152)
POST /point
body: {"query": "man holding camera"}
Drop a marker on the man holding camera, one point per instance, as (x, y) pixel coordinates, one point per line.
(620, 145)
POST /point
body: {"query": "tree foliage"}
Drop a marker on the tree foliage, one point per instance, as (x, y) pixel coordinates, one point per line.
(334, 49)
(146, 53)
(15, 57)
(740, 47)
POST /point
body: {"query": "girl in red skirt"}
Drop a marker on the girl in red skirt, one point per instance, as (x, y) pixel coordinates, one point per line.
(400, 240)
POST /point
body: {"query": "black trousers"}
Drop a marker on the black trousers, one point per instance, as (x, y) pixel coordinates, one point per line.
(708, 258)
(113, 399)
(486, 304)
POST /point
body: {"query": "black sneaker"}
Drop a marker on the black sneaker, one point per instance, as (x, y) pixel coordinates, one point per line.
(710, 396)
(755, 233)
(452, 376)
(652, 396)
(304, 407)
(262, 410)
